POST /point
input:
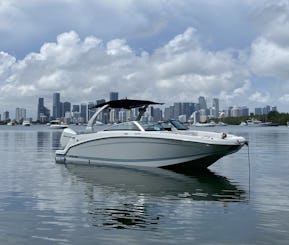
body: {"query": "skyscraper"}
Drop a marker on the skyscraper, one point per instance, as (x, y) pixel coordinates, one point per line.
(6, 116)
(66, 107)
(83, 112)
(216, 106)
(56, 110)
(20, 114)
(75, 108)
(43, 113)
(203, 103)
(113, 96)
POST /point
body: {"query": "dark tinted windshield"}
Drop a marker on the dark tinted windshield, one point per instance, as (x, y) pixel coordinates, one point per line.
(178, 125)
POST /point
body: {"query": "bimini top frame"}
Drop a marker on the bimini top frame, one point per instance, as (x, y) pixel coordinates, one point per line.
(123, 103)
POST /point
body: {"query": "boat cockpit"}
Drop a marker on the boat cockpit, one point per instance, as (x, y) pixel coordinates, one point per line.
(170, 125)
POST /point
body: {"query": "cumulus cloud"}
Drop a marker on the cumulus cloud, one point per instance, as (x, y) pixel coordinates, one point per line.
(155, 56)
(284, 99)
(270, 51)
(269, 59)
(86, 70)
(258, 97)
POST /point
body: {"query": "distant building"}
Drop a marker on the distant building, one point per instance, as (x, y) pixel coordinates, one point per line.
(169, 113)
(75, 108)
(6, 116)
(228, 112)
(101, 101)
(202, 103)
(258, 111)
(90, 110)
(188, 108)
(56, 109)
(66, 107)
(157, 114)
(266, 109)
(216, 107)
(20, 115)
(244, 111)
(113, 96)
(43, 113)
(203, 115)
(235, 111)
(196, 117)
(83, 112)
(177, 110)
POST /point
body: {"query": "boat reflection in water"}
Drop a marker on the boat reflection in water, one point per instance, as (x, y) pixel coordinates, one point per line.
(130, 198)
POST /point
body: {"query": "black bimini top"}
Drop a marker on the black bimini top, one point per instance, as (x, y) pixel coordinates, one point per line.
(127, 103)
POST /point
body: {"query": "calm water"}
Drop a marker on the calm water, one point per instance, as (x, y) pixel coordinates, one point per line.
(46, 203)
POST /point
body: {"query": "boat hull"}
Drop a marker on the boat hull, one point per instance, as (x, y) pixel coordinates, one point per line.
(145, 152)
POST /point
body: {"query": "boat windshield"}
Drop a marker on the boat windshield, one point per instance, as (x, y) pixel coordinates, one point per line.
(178, 125)
(151, 126)
(123, 126)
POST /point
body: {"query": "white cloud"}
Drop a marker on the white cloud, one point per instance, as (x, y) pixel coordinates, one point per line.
(118, 47)
(269, 59)
(284, 99)
(164, 50)
(85, 70)
(6, 62)
(270, 51)
(258, 97)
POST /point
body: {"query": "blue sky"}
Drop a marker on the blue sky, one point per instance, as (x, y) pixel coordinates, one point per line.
(166, 50)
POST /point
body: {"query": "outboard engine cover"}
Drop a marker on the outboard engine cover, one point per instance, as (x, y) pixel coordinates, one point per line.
(66, 135)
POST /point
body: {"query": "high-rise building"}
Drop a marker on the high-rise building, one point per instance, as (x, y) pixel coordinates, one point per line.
(75, 108)
(113, 96)
(43, 113)
(6, 116)
(101, 101)
(188, 109)
(258, 111)
(83, 112)
(216, 107)
(157, 114)
(90, 110)
(244, 111)
(56, 110)
(235, 111)
(203, 103)
(177, 110)
(66, 107)
(20, 115)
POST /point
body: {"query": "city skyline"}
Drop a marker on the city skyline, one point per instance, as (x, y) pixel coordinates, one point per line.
(173, 51)
(59, 108)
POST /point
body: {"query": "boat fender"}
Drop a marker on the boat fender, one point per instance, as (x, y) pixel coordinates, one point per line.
(224, 135)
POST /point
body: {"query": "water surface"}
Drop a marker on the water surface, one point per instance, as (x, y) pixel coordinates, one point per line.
(239, 200)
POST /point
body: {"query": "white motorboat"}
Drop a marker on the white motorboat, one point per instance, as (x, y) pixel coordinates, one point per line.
(135, 143)
(57, 124)
(208, 124)
(258, 123)
(26, 123)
